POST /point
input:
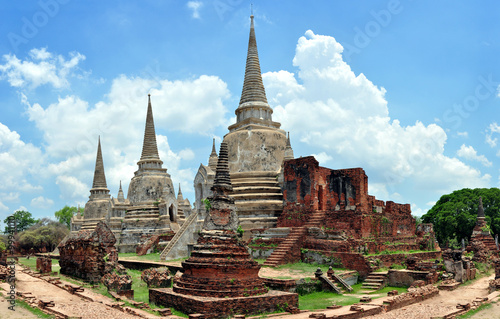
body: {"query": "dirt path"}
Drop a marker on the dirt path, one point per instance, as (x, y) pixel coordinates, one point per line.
(442, 304)
(66, 303)
(18, 313)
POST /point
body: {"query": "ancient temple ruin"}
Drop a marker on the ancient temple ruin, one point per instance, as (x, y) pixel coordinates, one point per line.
(256, 150)
(220, 278)
(151, 207)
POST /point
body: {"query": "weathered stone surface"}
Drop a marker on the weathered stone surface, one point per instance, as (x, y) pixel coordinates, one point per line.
(344, 195)
(85, 253)
(157, 277)
(44, 264)
(116, 282)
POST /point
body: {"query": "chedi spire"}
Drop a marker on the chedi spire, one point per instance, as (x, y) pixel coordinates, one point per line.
(149, 147)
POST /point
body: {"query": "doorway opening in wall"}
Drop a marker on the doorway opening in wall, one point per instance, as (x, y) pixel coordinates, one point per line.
(171, 213)
(321, 203)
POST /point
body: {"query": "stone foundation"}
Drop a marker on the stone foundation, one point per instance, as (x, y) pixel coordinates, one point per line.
(223, 307)
(157, 278)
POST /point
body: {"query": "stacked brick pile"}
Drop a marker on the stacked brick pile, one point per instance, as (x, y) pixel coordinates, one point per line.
(159, 278)
(86, 253)
(44, 264)
(122, 284)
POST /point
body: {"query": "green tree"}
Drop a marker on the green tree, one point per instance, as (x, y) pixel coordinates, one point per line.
(23, 221)
(45, 234)
(454, 215)
(66, 213)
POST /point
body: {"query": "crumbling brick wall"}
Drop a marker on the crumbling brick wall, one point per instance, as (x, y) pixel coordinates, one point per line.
(85, 254)
(44, 264)
(343, 194)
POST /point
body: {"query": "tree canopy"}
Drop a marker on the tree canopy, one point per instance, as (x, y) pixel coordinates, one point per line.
(454, 215)
(23, 219)
(46, 233)
(65, 214)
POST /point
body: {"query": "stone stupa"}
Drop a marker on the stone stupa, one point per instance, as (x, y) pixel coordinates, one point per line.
(220, 278)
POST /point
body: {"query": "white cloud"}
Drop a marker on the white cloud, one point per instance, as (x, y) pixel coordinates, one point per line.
(42, 202)
(463, 134)
(322, 158)
(43, 68)
(469, 153)
(195, 6)
(20, 162)
(72, 188)
(70, 128)
(345, 115)
(492, 129)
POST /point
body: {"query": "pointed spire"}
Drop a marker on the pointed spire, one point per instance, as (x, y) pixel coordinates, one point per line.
(212, 160)
(222, 182)
(99, 177)
(253, 88)
(480, 210)
(149, 148)
(121, 197)
(179, 195)
(214, 152)
(288, 149)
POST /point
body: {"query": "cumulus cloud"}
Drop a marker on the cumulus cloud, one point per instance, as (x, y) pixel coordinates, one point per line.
(343, 114)
(20, 163)
(195, 7)
(42, 202)
(469, 153)
(70, 127)
(42, 67)
(492, 130)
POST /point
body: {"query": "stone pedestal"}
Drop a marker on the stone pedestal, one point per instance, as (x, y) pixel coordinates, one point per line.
(44, 264)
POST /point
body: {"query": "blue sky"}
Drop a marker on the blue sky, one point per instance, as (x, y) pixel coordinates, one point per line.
(407, 90)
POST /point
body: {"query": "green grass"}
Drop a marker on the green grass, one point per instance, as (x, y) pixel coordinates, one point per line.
(141, 290)
(37, 312)
(30, 262)
(321, 300)
(471, 313)
(305, 268)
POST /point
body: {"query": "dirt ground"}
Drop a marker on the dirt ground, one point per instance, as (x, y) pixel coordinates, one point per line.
(445, 303)
(73, 305)
(18, 313)
(66, 303)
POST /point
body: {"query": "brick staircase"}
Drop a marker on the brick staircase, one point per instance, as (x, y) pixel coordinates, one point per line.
(289, 247)
(335, 287)
(178, 235)
(341, 283)
(316, 219)
(374, 281)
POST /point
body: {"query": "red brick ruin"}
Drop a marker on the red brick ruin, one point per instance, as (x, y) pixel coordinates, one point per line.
(220, 278)
(334, 220)
(89, 254)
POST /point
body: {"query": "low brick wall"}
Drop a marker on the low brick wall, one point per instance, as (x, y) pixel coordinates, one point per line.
(223, 307)
(353, 261)
(404, 278)
(411, 297)
(288, 285)
(390, 259)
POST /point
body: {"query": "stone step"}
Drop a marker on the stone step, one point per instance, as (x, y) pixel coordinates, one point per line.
(257, 196)
(254, 182)
(256, 189)
(374, 280)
